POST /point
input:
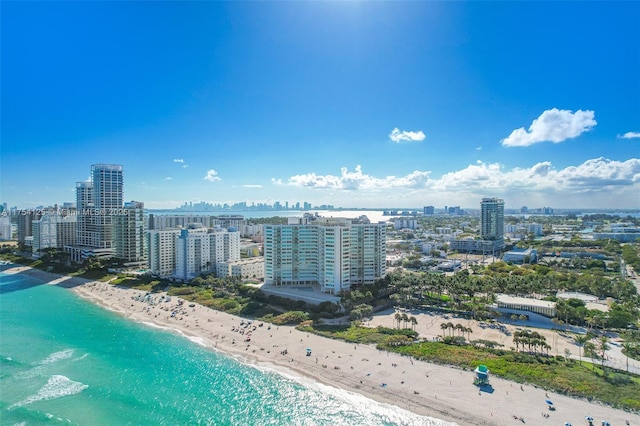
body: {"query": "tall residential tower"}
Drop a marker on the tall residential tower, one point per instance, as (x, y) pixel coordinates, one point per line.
(98, 200)
(492, 219)
(332, 253)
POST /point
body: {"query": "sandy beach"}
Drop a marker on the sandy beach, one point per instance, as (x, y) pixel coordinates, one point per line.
(423, 388)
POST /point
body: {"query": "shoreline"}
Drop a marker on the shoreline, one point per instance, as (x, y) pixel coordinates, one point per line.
(433, 390)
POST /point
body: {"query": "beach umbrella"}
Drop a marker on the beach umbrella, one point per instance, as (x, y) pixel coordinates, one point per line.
(548, 401)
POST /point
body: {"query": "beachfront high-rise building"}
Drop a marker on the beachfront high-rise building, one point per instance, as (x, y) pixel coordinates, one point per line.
(98, 201)
(333, 253)
(193, 250)
(161, 245)
(84, 203)
(44, 233)
(492, 219)
(108, 187)
(199, 250)
(128, 229)
(53, 230)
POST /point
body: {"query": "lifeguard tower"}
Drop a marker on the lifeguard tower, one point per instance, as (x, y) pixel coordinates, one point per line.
(482, 376)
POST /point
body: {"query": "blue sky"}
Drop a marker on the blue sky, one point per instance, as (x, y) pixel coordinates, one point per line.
(359, 104)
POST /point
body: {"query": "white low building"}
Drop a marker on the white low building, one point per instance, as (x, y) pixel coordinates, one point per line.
(251, 268)
(541, 307)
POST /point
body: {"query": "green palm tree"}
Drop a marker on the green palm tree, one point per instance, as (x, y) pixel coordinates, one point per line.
(628, 347)
(580, 341)
(590, 348)
(413, 322)
(398, 318)
(443, 327)
(452, 327)
(603, 345)
(459, 328)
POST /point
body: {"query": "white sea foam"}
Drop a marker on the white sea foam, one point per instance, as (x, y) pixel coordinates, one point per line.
(41, 367)
(57, 387)
(80, 358)
(199, 341)
(195, 339)
(57, 356)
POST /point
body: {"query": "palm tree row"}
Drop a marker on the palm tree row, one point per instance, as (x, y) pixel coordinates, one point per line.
(461, 329)
(405, 319)
(530, 339)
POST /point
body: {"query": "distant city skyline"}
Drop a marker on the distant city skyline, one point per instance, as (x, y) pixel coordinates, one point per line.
(350, 104)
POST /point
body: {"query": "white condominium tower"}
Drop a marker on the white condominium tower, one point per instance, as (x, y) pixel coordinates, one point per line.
(199, 250)
(53, 230)
(161, 246)
(492, 219)
(334, 253)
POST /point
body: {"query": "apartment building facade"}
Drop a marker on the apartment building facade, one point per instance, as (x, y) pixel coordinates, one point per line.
(161, 246)
(129, 236)
(199, 250)
(334, 253)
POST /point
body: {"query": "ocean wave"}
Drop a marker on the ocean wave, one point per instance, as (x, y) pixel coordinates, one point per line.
(80, 358)
(160, 327)
(57, 356)
(57, 387)
(41, 367)
(201, 341)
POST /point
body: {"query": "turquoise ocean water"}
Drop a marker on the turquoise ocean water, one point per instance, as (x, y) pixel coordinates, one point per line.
(66, 361)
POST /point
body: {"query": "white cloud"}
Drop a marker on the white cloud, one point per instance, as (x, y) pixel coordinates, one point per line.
(212, 176)
(178, 160)
(399, 136)
(629, 135)
(553, 125)
(358, 180)
(251, 186)
(168, 178)
(595, 176)
(478, 148)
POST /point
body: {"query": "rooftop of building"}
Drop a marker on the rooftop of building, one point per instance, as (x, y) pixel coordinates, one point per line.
(504, 298)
